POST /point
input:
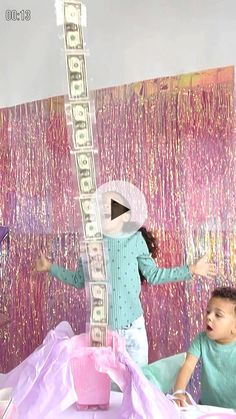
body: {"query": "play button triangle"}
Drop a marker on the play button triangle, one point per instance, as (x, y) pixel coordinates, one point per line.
(117, 209)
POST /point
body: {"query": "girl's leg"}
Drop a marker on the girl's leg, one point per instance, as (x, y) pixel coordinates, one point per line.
(136, 344)
(136, 341)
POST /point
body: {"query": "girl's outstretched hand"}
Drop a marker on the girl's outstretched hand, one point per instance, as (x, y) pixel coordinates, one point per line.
(203, 268)
(42, 264)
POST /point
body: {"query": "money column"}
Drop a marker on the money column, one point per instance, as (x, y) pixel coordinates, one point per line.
(79, 123)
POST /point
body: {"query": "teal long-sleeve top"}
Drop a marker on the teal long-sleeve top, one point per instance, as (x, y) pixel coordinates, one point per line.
(126, 256)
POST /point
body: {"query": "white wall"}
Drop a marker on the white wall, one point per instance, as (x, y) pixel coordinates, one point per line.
(128, 40)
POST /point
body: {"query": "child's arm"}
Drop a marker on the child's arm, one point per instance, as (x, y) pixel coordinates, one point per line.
(183, 378)
(75, 278)
(156, 275)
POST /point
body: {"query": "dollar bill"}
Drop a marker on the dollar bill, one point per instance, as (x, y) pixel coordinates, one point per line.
(92, 230)
(99, 303)
(98, 335)
(72, 13)
(77, 78)
(95, 249)
(82, 125)
(91, 218)
(85, 162)
(97, 270)
(73, 25)
(98, 293)
(73, 37)
(87, 184)
(85, 169)
(96, 261)
(89, 208)
(99, 314)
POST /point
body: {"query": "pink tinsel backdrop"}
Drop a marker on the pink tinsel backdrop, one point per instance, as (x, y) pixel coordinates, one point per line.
(173, 138)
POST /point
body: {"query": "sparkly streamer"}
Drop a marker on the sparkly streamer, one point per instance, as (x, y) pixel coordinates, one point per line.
(37, 204)
(174, 138)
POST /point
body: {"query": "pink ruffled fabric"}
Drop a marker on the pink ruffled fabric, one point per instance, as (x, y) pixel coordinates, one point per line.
(43, 384)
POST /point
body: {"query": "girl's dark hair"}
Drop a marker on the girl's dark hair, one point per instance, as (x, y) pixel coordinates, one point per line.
(151, 244)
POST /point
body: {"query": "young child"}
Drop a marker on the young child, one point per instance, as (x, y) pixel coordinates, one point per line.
(128, 255)
(216, 347)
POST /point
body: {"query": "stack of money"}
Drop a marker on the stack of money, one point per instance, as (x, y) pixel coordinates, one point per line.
(78, 115)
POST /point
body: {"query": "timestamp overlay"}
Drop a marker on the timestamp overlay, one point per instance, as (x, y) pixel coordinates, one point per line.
(14, 15)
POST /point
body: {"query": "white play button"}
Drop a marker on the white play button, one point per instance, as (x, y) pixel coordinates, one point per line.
(117, 209)
(123, 208)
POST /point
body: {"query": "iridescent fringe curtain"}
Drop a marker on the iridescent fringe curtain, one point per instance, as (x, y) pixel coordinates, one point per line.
(37, 203)
(173, 138)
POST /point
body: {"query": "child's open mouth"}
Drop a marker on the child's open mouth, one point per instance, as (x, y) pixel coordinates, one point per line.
(209, 328)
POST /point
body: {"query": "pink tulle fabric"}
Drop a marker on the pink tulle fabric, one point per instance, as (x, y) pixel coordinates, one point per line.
(43, 384)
